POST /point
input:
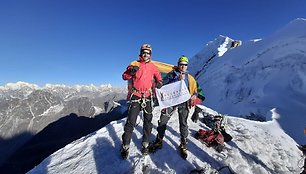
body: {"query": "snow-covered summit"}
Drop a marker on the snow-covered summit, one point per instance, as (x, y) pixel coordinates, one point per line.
(23, 89)
(19, 88)
(21, 85)
(256, 148)
(212, 50)
(18, 85)
(259, 76)
(293, 29)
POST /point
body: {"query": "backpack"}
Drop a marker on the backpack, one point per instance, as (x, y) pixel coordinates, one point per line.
(216, 136)
(211, 138)
(216, 122)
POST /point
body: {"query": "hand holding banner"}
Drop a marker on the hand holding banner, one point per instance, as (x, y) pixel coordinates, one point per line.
(172, 94)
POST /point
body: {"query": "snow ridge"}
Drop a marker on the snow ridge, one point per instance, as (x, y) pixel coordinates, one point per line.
(256, 148)
(259, 76)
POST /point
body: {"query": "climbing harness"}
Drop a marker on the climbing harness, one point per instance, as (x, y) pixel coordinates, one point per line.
(143, 101)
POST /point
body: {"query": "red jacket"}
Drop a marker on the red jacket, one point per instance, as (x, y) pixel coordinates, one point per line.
(144, 78)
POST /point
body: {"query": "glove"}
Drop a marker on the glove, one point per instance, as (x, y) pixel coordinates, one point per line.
(195, 115)
(194, 100)
(133, 70)
(163, 111)
(159, 84)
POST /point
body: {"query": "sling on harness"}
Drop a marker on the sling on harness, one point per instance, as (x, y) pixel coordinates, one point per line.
(143, 101)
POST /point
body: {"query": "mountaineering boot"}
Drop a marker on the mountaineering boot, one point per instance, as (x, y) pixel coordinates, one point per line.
(158, 144)
(124, 151)
(219, 148)
(183, 148)
(145, 148)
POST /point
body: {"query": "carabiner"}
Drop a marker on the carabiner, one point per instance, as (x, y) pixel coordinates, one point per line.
(143, 103)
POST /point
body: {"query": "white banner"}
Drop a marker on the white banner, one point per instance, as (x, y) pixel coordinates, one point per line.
(172, 94)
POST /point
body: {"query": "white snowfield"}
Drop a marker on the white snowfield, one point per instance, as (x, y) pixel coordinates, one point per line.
(258, 76)
(257, 148)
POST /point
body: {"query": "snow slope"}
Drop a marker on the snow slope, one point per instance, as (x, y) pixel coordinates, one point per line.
(256, 147)
(258, 76)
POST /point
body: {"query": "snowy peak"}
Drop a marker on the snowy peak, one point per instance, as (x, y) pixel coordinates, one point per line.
(24, 85)
(223, 44)
(295, 28)
(24, 100)
(259, 76)
(22, 89)
(18, 85)
(19, 89)
(212, 50)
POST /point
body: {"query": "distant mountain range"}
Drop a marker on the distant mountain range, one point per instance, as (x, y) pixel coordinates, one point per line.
(26, 109)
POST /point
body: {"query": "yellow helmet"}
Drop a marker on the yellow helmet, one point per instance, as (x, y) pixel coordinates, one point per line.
(146, 47)
(182, 59)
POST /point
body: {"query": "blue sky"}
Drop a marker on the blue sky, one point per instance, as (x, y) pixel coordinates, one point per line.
(92, 41)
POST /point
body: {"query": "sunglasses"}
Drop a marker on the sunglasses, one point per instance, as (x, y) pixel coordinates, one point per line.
(146, 53)
(181, 64)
